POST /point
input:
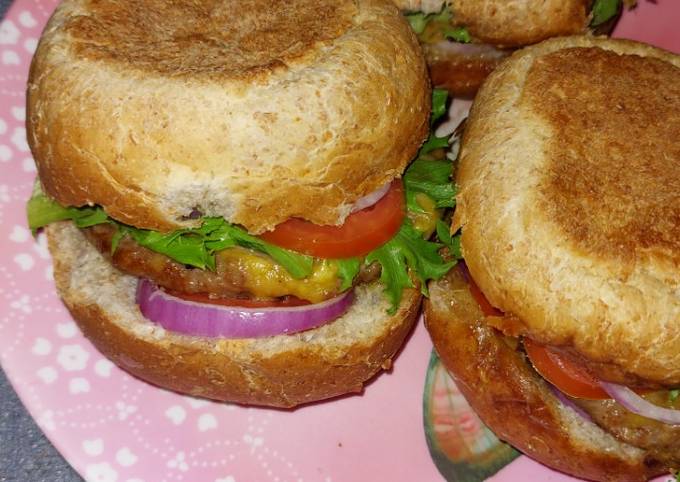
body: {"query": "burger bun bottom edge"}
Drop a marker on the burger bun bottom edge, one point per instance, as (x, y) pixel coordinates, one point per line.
(279, 371)
(514, 401)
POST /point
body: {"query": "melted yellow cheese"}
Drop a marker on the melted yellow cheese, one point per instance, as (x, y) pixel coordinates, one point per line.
(426, 221)
(264, 278)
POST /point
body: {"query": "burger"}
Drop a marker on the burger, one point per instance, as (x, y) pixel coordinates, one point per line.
(464, 40)
(562, 327)
(221, 188)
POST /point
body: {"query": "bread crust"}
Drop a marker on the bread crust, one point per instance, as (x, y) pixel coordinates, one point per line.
(152, 110)
(280, 371)
(461, 69)
(516, 23)
(514, 401)
(570, 220)
(497, 27)
(511, 23)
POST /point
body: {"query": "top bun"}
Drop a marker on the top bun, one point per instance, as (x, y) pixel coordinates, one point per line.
(255, 111)
(511, 23)
(570, 200)
(514, 23)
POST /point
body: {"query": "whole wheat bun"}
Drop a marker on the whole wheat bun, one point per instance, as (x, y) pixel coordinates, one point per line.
(515, 23)
(569, 177)
(510, 23)
(514, 401)
(279, 371)
(496, 26)
(255, 111)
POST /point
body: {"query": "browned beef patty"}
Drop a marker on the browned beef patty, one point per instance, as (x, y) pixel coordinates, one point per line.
(229, 279)
(660, 439)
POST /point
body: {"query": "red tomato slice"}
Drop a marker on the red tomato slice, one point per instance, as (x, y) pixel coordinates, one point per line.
(362, 231)
(566, 375)
(242, 302)
(487, 308)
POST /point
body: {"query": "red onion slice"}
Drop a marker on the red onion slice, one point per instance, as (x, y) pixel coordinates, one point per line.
(372, 198)
(203, 319)
(566, 401)
(636, 404)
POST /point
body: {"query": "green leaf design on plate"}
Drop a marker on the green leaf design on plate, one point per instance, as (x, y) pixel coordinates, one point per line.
(461, 446)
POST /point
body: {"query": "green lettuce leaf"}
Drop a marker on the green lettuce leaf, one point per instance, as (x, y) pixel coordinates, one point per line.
(394, 272)
(407, 249)
(458, 34)
(420, 20)
(115, 240)
(451, 242)
(439, 98)
(184, 246)
(433, 142)
(603, 10)
(424, 258)
(673, 395)
(431, 177)
(42, 211)
(347, 270)
(194, 247)
(298, 265)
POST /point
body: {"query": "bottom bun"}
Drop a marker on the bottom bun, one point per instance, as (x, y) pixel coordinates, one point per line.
(279, 371)
(514, 401)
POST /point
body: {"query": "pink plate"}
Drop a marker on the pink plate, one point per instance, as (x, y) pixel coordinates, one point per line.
(112, 427)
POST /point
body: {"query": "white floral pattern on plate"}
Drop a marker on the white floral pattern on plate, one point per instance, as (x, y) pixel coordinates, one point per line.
(114, 428)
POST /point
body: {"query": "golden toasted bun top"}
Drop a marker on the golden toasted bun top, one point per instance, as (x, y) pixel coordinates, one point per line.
(511, 23)
(208, 38)
(254, 111)
(570, 204)
(611, 178)
(514, 23)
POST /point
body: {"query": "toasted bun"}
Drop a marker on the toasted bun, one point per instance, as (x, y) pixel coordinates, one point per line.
(514, 401)
(256, 111)
(497, 26)
(515, 23)
(569, 177)
(510, 23)
(279, 371)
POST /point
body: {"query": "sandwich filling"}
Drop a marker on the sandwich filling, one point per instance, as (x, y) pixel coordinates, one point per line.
(465, 42)
(298, 263)
(642, 416)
